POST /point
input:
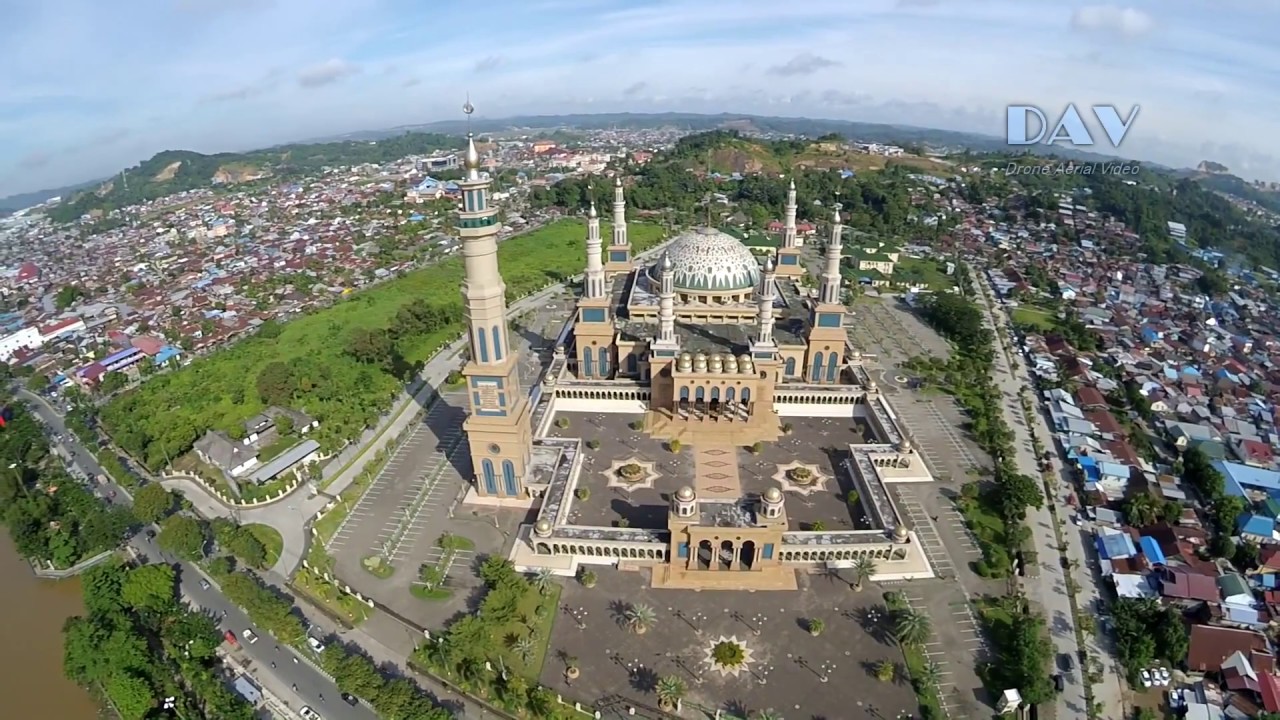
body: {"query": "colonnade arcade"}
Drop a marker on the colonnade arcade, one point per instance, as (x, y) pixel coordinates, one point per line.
(821, 399)
(573, 393)
(837, 554)
(728, 403)
(626, 552)
(728, 556)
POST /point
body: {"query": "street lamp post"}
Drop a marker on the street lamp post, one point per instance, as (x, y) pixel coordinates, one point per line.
(825, 670)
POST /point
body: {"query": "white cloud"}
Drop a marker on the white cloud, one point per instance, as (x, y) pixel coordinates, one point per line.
(326, 73)
(218, 76)
(1126, 21)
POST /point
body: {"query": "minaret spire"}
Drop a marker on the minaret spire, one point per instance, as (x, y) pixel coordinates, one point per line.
(498, 426)
(619, 214)
(830, 293)
(789, 237)
(666, 304)
(593, 288)
(764, 306)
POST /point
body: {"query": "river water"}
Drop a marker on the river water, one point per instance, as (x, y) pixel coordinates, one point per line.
(31, 615)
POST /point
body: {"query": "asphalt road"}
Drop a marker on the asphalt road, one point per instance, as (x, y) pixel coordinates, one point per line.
(279, 681)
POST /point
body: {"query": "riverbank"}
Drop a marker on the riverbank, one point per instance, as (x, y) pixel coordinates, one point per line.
(32, 612)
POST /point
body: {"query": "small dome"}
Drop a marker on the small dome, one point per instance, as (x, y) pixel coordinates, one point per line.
(747, 367)
(591, 212)
(769, 265)
(731, 365)
(685, 494)
(717, 364)
(542, 528)
(700, 363)
(900, 533)
(686, 357)
(904, 445)
(871, 385)
(773, 495)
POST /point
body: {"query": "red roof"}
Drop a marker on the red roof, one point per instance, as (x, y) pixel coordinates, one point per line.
(1211, 646)
(1256, 451)
(28, 271)
(1270, 691)
(1089, 397)
(54, 327)
(148, 345)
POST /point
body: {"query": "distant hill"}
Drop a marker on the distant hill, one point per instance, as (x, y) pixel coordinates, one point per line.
(727, 151)
(174, 171)
(160, 175)
(21, 201)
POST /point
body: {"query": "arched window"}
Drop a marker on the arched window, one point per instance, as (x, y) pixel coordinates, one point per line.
(700, 394)
(497, 343)
(484, 345)
(588, 363)
(728, 394)
(509, 478)
(490, 482)
(746, 395)
(790, 368)
(604, 362)
(684, 393)
(715, 394)
(833, 367)
(816, 374)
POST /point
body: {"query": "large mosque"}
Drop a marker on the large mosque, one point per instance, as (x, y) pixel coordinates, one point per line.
(709, 347)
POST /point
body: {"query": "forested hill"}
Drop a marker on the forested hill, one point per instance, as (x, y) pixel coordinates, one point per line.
(1146, 202)
(174, 171)
(876, 198)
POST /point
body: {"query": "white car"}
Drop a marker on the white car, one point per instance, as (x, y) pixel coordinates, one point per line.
(309, 714)
(315, 645)
(251, 637)
(1146, 679)
(1162, 674)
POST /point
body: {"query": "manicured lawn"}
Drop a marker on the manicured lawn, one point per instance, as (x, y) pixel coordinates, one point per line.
(166, 414)
(539, 629)
(989, 530)
(1033, 316)
(929, 271)
(270, 539)
(328, 595)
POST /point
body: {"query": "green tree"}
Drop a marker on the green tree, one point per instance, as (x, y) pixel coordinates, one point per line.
(152, 503)
(276, 383)
(149, 588)
(130, 694)
(911, 627)
(183, 536)
(247, 548)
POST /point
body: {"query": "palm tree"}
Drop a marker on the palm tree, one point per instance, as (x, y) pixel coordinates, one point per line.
(863, 568)
(542, 580)
(911, 627)
(671, 691)
(640, 617)
(769, 714)
(930, 674)
(523, 647)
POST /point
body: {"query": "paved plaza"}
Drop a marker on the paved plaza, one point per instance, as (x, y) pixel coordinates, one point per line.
(816, 443)
(619, 669)
(416, 497)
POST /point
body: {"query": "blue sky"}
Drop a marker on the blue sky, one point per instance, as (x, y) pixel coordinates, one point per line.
(90, 87)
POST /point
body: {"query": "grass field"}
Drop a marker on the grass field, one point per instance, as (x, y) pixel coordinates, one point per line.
(932, 273)
(1033, 316)
(164, 416)
(270, 539)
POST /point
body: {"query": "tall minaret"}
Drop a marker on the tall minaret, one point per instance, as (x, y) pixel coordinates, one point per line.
(830, 293)
(619, 261)
(789, 237)
(827, 335)
(666, 339)
(497, 427)
(593, 287)
(789, 252)
(764, 308)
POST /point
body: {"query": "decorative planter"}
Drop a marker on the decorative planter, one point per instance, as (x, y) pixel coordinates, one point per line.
(571, 672)
(800, 476)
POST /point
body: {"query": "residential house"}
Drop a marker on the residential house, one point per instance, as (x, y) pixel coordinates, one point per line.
(219, 450)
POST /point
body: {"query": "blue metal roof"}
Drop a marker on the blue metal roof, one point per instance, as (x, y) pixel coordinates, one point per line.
(1115, 546)
(116, 357)
(1260, 525)
(247, 690)
(1238, 477)
(1152, 550)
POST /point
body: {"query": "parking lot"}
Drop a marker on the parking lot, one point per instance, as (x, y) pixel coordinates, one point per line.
(935, 424)
(957, 647)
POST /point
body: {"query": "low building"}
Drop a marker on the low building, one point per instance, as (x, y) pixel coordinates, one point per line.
(227, 455)
(304, 453)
